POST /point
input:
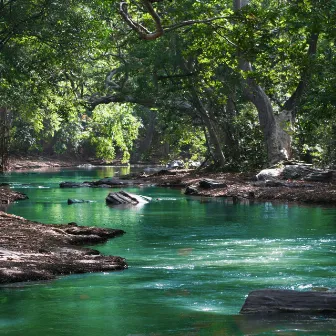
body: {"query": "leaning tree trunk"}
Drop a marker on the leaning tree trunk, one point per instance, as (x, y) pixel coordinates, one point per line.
(277, 140)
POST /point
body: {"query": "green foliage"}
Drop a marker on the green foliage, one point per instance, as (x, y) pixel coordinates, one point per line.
(111, 128)
(252, 153)
(56, 56)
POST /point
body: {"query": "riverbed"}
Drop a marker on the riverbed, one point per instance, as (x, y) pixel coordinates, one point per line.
(192, 262)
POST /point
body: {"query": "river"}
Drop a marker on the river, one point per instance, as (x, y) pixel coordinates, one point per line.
(192, 262)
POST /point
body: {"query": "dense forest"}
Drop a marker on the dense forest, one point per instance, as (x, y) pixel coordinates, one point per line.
(240, 84)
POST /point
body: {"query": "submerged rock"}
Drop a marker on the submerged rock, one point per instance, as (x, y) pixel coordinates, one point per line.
(287, 301)
(123, 197)
(75, 201)
(73, 185)
(106, 182)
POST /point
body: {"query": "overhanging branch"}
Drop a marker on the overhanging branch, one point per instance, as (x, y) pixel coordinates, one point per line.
(137, 27)
(159, 29)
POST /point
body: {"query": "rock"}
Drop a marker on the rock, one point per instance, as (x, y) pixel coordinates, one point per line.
(123, 197)
(7, 185)
(85, 165)
(194, 164)
(323, 176)
(165, 172)
(269, 174)
(74, 200)
(275, 183)
(286, 301)
(294, 172)
(175, 164)
(35, 251)
(74, 185)
(110, 181)
(211, 184)
(191, 190)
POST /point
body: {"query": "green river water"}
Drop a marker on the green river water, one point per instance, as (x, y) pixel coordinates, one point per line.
(191, 263)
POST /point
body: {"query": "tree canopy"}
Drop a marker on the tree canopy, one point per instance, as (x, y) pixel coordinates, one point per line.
(251, 82)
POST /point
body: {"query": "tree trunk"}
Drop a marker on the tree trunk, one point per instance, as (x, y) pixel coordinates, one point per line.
(145, 145)
(5, 123)
(214, 140)
(277, 140)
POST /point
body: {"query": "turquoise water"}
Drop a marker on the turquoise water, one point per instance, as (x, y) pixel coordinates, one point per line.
(191, 262)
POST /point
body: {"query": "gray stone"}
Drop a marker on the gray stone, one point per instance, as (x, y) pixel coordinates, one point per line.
(323, 176)
(74, 185)
(110, 181)
(191, 190)
(287, 301)
(294, 172)
(74, 200)
(211, 184)
(269, 174)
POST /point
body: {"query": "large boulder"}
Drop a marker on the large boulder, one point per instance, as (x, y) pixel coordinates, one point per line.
(287, 301)
(123, 197)
(269, 174)
(295, 172)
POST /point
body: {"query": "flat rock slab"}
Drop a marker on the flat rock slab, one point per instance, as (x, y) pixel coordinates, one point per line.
(211, 184)
(33, 251)
(288, 301)
(107, 182)
(74, 185)
(75, 201)
(123, 197)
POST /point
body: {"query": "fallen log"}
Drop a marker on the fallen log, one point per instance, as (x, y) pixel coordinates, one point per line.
(288, 301)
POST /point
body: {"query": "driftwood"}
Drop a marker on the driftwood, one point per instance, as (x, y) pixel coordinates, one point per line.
(288, 301)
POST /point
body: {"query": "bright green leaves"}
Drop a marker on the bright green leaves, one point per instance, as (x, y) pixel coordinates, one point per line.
(112, 129)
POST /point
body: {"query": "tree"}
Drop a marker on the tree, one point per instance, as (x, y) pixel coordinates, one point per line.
(252, 30)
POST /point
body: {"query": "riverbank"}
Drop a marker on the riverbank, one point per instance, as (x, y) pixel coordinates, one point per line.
(244, 186)
(39, 162)
(31, 251)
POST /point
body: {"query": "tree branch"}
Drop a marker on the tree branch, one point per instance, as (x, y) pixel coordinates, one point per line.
(160, 30)
(192, 22)
(292, 102)
(137, 27)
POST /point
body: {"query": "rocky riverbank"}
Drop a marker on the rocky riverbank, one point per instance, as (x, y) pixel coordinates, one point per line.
(246, 186)
(33, 251)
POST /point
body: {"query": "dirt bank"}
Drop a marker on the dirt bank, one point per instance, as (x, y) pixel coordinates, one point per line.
(38, 162)
(34, 251)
